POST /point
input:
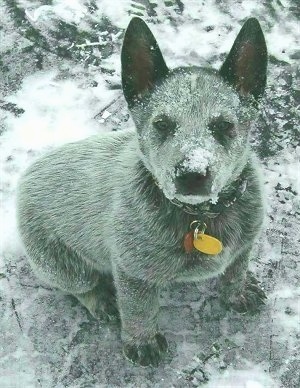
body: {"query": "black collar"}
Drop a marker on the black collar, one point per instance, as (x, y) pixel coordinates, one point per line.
(226, 199)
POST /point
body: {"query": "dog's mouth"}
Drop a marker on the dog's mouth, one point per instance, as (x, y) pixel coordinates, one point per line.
(194, 187)
(225, 196)
(191, 190)
(191, 187)
(193, 184)
(196, 199)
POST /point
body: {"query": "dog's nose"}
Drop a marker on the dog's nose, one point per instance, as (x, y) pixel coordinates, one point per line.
(193, 183)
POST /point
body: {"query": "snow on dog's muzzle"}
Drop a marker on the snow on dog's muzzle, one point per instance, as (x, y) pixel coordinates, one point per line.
(193, 175)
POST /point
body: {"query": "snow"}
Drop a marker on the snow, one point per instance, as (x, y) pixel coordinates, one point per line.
(46, 338)
(69, 11)
(68, 108)
(198, 160)
(253, 377)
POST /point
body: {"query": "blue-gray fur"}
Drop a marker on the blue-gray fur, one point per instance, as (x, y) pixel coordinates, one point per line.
(98, 211)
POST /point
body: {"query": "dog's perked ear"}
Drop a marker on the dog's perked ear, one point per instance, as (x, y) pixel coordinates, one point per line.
(142, 62)
(245, 67)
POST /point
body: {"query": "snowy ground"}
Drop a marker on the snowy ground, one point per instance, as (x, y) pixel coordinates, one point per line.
(60, 81)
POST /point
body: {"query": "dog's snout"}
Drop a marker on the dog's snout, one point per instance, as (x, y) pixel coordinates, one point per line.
(192, 183)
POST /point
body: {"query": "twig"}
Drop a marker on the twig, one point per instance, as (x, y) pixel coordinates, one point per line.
(106, 107)
(83, 45)
(16, 314)
(36, 286)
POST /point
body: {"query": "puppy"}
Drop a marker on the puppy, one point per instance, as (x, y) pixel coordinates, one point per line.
(113, 218)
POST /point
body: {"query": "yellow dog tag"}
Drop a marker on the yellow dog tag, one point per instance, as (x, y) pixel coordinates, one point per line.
(207, 244)
(201, 241)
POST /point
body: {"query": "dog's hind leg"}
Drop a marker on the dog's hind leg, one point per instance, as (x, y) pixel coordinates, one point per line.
(64, 268)
(101, 300)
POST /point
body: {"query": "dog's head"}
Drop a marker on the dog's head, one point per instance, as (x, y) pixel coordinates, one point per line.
(193, 123)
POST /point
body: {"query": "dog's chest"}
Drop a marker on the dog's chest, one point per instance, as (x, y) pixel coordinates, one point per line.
(193, 264)
(169, 260)
(197, 265)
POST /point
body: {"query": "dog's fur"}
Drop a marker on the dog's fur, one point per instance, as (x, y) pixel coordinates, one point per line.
(98, 217)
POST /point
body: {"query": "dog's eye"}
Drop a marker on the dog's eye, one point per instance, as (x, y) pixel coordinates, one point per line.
(163, 123)
(222, 130)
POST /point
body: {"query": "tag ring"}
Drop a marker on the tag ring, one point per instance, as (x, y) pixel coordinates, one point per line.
(196, 230)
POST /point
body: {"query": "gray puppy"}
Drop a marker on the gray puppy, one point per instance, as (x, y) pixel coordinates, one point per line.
(113, 218)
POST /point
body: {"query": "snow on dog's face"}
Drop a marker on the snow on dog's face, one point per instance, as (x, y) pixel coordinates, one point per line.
(193, 123)
(193, 134)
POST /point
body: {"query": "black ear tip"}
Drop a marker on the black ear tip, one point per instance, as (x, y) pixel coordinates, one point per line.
(136, 22)
(253, 25)
(253, 21)
(136, 19)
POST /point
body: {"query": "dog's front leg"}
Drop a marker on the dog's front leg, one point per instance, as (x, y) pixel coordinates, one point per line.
(138, 306)
(239, 289)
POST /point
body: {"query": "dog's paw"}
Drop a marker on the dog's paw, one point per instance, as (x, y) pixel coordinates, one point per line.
(147, 353)
(107, 311)
(250, 299)
(102, 307)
